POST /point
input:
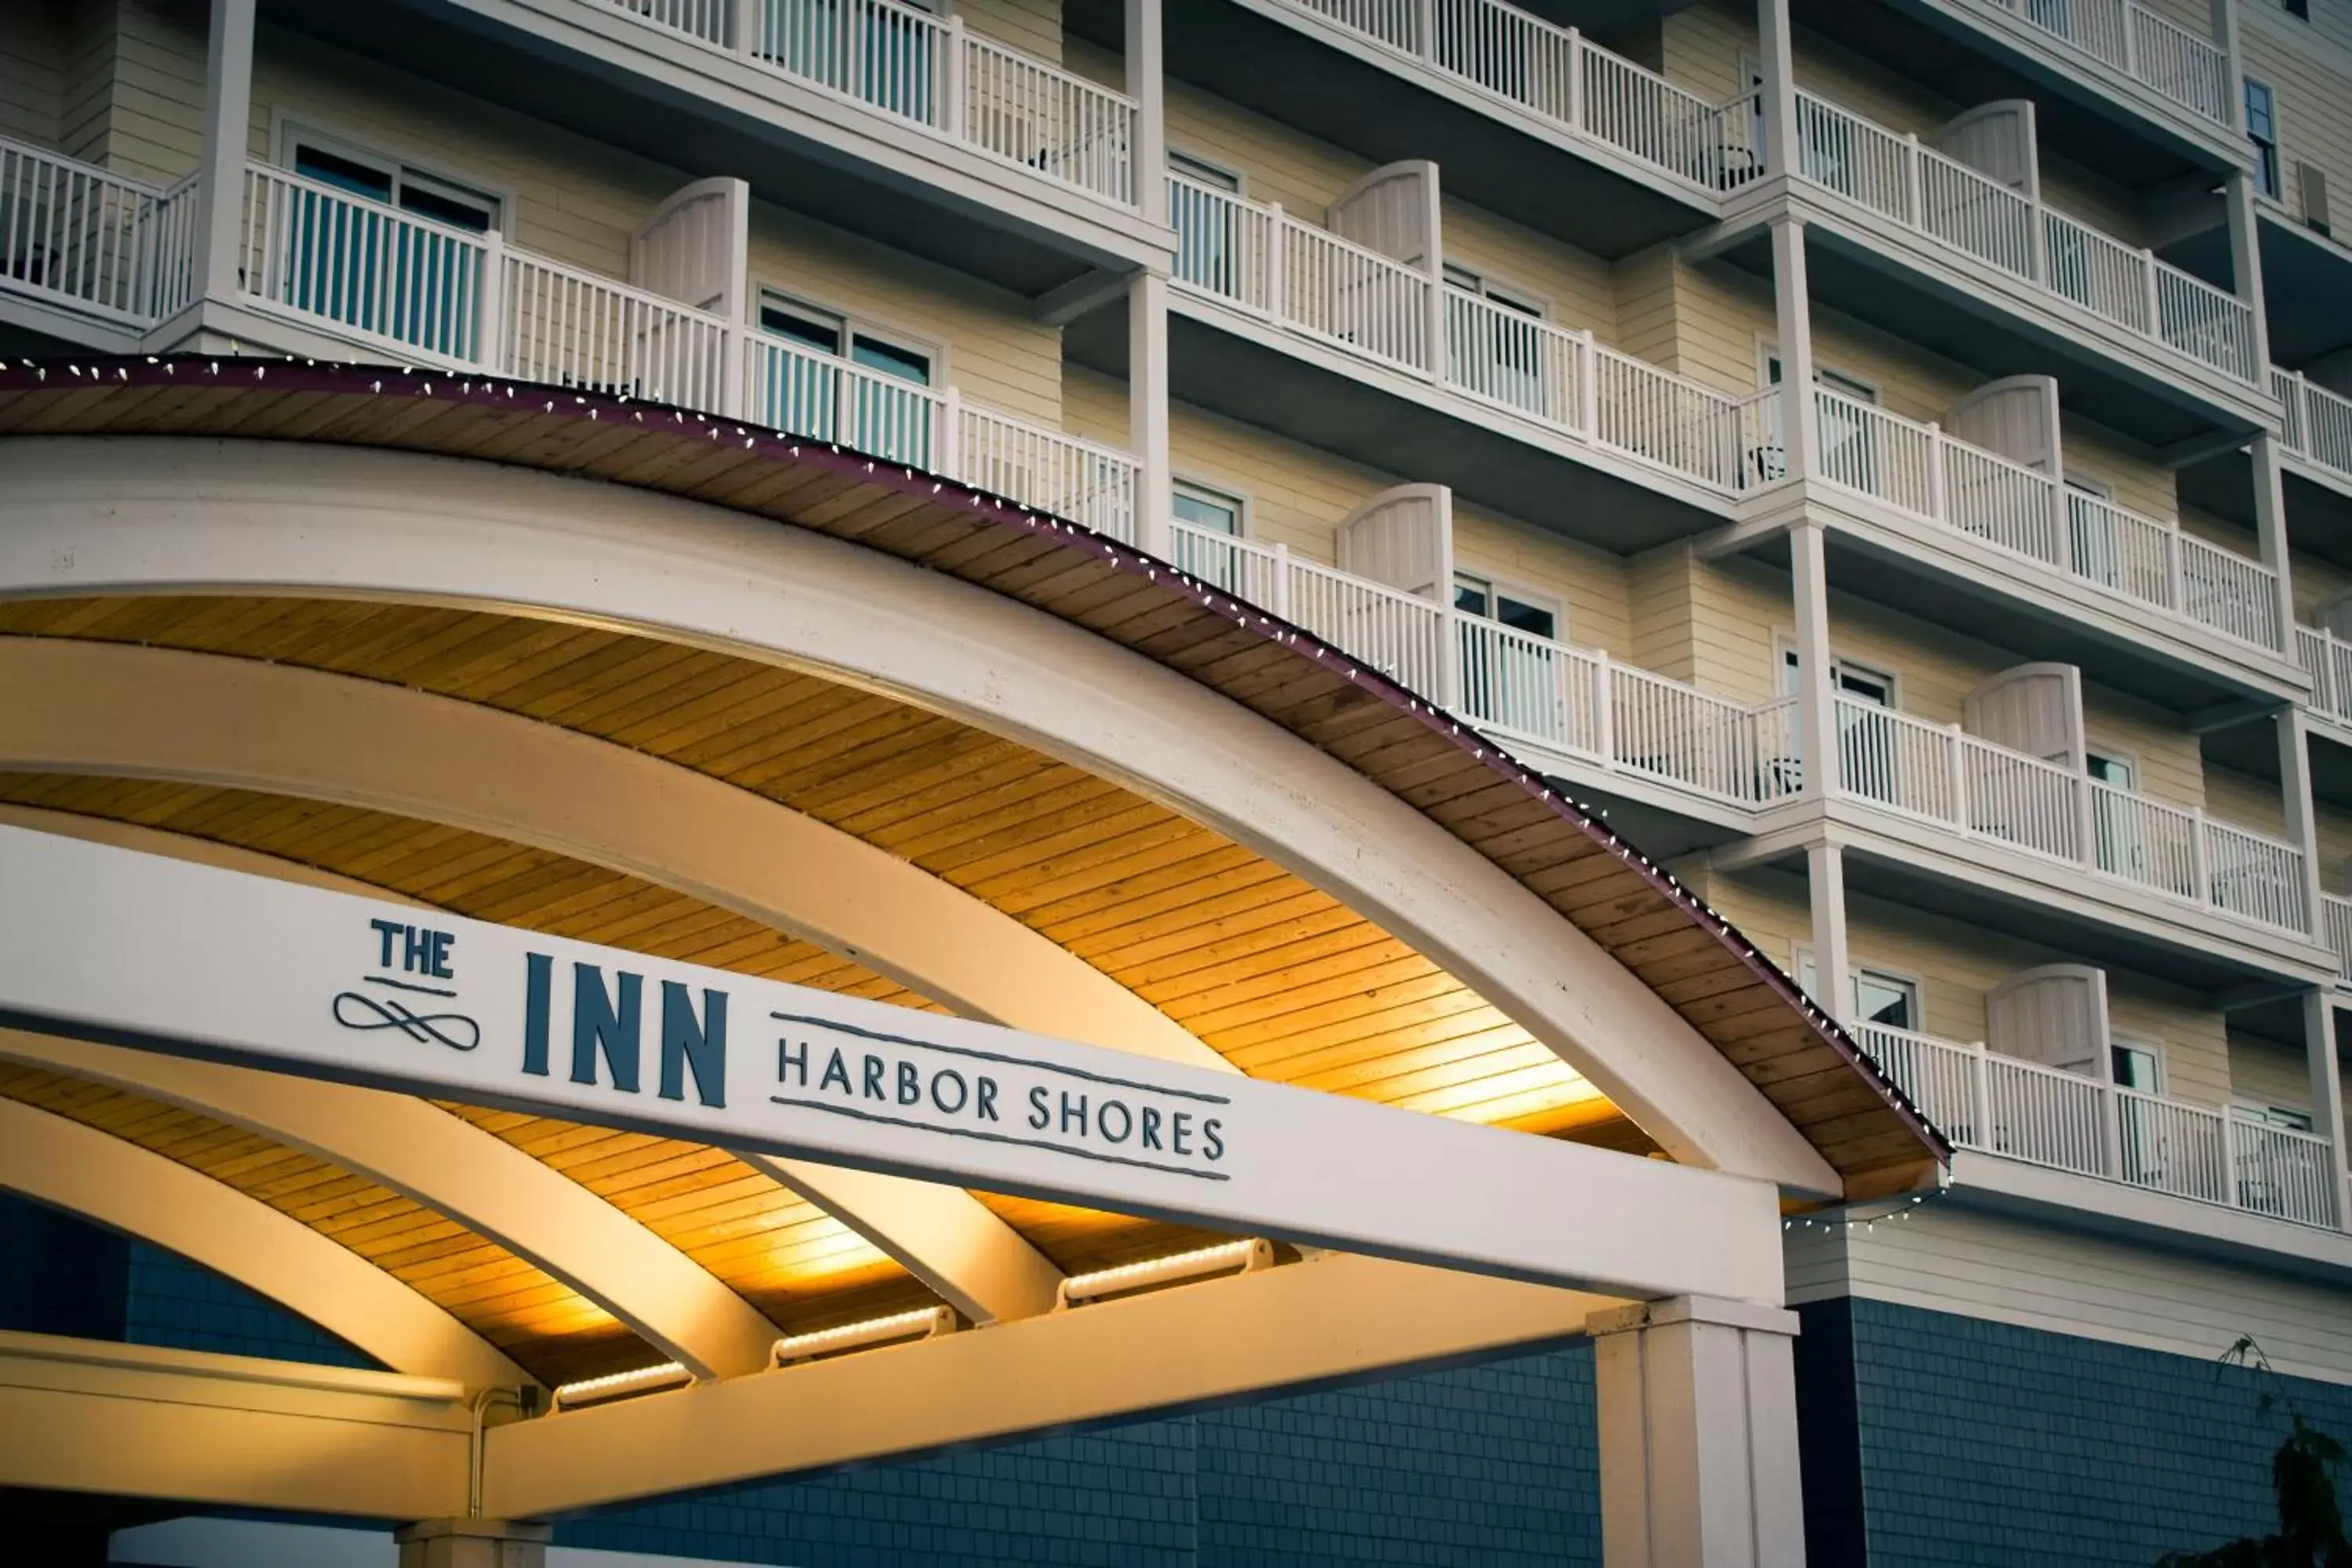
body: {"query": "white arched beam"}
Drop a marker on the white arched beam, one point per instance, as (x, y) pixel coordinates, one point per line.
(158, 515)
(67, 1165)
(454, 1168)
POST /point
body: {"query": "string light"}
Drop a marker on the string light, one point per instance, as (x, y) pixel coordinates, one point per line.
(1902, 1212)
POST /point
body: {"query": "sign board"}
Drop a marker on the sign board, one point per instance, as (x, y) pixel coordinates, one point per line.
(112, 944)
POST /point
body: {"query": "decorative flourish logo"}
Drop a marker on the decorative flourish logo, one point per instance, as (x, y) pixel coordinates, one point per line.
(358, 1010)
(421, 952)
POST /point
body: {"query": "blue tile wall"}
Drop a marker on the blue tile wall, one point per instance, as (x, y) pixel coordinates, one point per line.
(61, 1274)
(1494, 1463)
(168, 1301)
(1985, 1444)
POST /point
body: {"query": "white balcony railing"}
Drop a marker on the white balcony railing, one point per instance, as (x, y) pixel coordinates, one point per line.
(2318, 423)
(1307, 280)
(76, 236)
(426, 293)
(925, 70)
(1558, 75)
(2044, 1116)
(1921, 471)
(1572, 702)
(2178, 65)
(1962, 210)
(1940, 773)
(829, 399)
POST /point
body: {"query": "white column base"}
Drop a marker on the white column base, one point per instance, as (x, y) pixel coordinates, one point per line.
(1698, 1436)
(472, 1544)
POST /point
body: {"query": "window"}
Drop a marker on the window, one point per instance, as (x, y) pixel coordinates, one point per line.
(2297, 8)
(1206, 508)
(2281, 1116)
(832, 379)
(1496, 352)
(2262, 129)
(1200, 172)
(360, 263)
(1850, 679)
(1890, 1001)
(1206, 223)
(1478, 596)
(1849, 445)
(395, 184)
(2137, 1067)
(1210, 518)
(2116, 771)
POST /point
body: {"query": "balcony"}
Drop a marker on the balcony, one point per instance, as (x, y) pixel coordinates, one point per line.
(1535, 121)
(2122, 87)
(2317, 432)
(350, 276)
(2149, 569)
(1567, 711)
(2059, 824)
(1293, 327)
(2068, 1121)
(880, 117)
(1922, 245)
(89, 256)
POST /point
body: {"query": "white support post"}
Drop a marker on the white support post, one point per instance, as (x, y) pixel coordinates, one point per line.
(1816, 684)
(1146, 78)
(2272, 544)
(1825, 888)
(1697, 1405)
(1793, 326)
(491, 338)
(1779, 70)
(1147, 406)
(1604, 708)
(220, 183)
(2302, 816)
(2245, 266)
(472, 1544)
(2326, 1089)
(2225, 37)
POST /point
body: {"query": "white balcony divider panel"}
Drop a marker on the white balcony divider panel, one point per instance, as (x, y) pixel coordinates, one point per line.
(1558, 76)
(1522, 687)
(2337, 912)
(929, 71)
(1920, 470)
(825, 398)
(693, 248)
(74, 234)
(2318, 422)
(1939, 773)
(1402, 538)
(2192, 72)
(1957, 206)
(2327, 659)
(1260, 259)
(1984, 1100)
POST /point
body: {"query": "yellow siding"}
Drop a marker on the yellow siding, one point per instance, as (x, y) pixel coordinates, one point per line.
(1954, 965)
(2308, 74)
(32, 70)
(132, 92)
(1033, 26)
(2270, 1072)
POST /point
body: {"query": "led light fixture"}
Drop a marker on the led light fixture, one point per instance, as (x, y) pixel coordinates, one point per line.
(929, 1322)
(622, 1385)
(1227, 1258)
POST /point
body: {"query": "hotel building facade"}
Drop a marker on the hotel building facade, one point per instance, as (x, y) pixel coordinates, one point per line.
(1820, 532)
